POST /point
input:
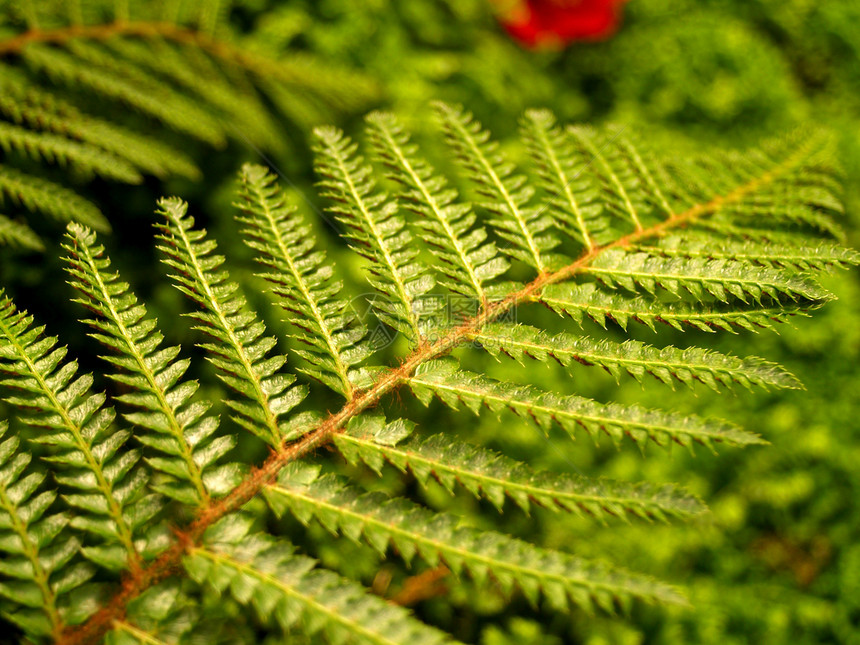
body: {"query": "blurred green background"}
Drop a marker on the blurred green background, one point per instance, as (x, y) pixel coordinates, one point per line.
(778, 559)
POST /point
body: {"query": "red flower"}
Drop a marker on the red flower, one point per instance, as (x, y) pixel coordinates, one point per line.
(547, 22)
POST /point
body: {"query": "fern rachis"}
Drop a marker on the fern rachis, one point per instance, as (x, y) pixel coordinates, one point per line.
(219, 548)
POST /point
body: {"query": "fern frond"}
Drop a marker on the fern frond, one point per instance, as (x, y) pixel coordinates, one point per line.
(15, 233)
(268, 575)
(488, 474)
(667, 365)
(39, 567)
(526, 227)
(755, 284)
(739, 217)
(302, 282)
(240, 348)
(720, 279)
(27, 104)
(453, 386)
(413, 530)
(178, 428)
(197, 76)
(109, 486)
(128, 85)
(581, 300)
(468, 260)
(724, 227)
(819, 256)
(38, 195)
(180, 68)
(66, 152)
(571, 197)
(376, 230)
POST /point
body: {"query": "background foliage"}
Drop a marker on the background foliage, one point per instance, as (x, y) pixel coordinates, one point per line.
(778, 558)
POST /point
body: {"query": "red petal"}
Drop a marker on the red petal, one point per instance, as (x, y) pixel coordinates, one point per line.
(544, 21)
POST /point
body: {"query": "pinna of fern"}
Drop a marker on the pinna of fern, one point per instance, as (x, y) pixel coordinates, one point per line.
(604, 239)
(182, 69)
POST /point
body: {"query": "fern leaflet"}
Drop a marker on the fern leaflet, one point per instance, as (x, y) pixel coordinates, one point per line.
(444, 379)
(178, 428)
(377, 231)
(668, 365)
(280, 584)
(482, 472)
(240, 347)
(110, 491)
(413, 530)
(302, 283)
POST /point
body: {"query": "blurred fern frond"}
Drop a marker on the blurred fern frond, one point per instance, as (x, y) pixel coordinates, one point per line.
(114, 89)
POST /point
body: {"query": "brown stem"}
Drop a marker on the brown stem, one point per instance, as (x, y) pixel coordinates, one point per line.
(169, 562)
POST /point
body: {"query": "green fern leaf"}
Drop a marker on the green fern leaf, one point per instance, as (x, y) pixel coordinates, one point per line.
(267, 574)
(413, 530)
(17, 233)
(730, 228)
(301, 282)
(377, 231)
(526, 227)
(40, 564)
(110, 491)
(307, 92)
(668, 364)
(720, 279)
(197, 76)
(179, 429)
(100, 74)
(803, 257)
(240, 347)
(27, 104)
(803, 193)
(179, 67)
(444, 379)
(66, 152)
(487, 474)
(39, 195)
(578, 300)
(468, 260)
